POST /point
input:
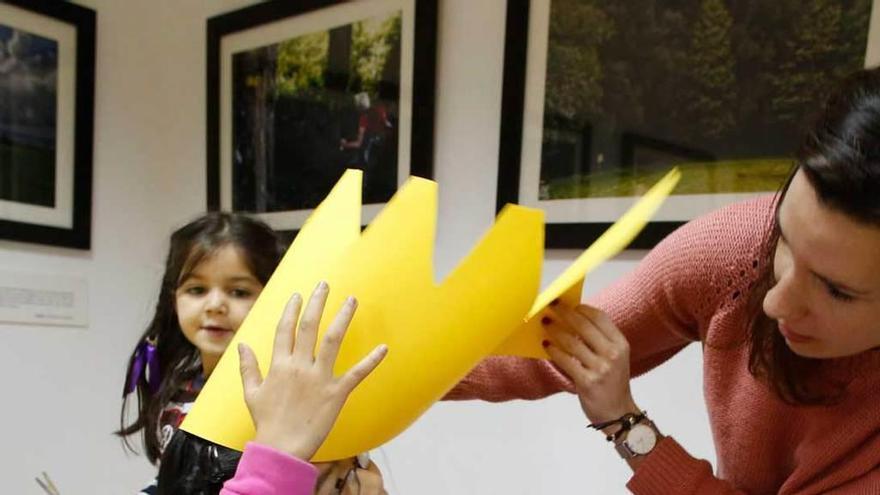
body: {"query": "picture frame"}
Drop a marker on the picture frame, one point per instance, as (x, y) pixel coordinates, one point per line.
(640, 93)
(46, 122)
(297, 92)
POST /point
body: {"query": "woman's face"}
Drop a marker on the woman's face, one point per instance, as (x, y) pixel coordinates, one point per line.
(826, 299)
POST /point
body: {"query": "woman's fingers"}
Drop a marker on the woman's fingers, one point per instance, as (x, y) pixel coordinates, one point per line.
(284, 331)
(360, 371)
(307, 335)
(332, 341)
(569, 364)
(583, 327)
(601, 322)
(575, 347)
(582, 362)
(595, 355)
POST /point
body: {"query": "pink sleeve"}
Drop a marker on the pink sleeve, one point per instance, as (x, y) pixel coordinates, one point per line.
(669, 469)
(266, 471)
(667, 302)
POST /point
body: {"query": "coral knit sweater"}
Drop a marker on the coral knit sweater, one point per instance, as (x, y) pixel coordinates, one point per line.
(693, 288)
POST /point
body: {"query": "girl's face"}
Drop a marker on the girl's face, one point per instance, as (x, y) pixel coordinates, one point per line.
(826, 300)
(213, 301)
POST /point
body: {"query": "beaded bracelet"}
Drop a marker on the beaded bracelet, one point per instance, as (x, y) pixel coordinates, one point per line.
(626, 422)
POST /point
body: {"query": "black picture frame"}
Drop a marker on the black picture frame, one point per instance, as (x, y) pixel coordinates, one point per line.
(576, 216)
(256, 17)
(68, 223)
(557, 235)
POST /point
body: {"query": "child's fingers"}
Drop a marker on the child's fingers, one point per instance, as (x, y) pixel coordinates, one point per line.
(250, 369)
(309, 323)
(360, 371)
(286, 327)
(332, 341)
(371, 481)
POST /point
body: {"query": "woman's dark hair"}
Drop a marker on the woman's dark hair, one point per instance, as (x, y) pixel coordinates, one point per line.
(194, 466)
(179, 360)
(840, 157)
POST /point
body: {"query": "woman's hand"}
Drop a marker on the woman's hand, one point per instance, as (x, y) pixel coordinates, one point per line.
(298, 402)
(587, 346)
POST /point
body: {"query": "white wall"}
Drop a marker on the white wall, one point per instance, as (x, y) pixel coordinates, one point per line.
(61, 387)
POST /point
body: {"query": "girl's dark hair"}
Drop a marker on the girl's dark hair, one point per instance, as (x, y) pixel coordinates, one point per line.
(194, 466)
(840, 157)
(179, 360)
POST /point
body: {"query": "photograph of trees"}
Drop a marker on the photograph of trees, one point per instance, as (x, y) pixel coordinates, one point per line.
(28, 114)
(306, 108)
(731, 81)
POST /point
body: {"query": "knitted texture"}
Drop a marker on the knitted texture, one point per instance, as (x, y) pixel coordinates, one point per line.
(693, 287)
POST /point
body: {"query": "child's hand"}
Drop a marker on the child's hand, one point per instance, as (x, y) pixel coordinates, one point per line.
(295, 406)
(344, 477)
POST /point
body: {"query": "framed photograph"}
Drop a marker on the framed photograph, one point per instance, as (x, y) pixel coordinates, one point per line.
(47, 81)
(603, 97)
(298, 92)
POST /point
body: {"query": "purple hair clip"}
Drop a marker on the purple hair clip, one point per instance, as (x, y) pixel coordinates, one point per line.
(145, 359)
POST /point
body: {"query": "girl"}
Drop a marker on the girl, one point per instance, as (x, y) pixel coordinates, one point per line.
(216, 268)
(783, 294)
(293, 409)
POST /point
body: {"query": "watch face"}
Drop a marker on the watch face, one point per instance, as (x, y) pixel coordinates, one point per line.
(641, 439)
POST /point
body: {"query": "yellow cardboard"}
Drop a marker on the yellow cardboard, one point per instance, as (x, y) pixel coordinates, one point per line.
(526, 340)
(435, 333)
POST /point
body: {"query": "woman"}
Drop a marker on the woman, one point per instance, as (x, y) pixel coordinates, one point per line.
(784, 295)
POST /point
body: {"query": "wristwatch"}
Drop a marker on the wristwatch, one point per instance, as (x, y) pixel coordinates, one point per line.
(638, 438)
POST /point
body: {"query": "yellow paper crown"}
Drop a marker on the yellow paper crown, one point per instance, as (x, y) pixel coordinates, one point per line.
(435, 332)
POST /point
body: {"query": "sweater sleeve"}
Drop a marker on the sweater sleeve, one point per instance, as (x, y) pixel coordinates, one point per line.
(266, 471)
(669, 469)
(667, 302)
